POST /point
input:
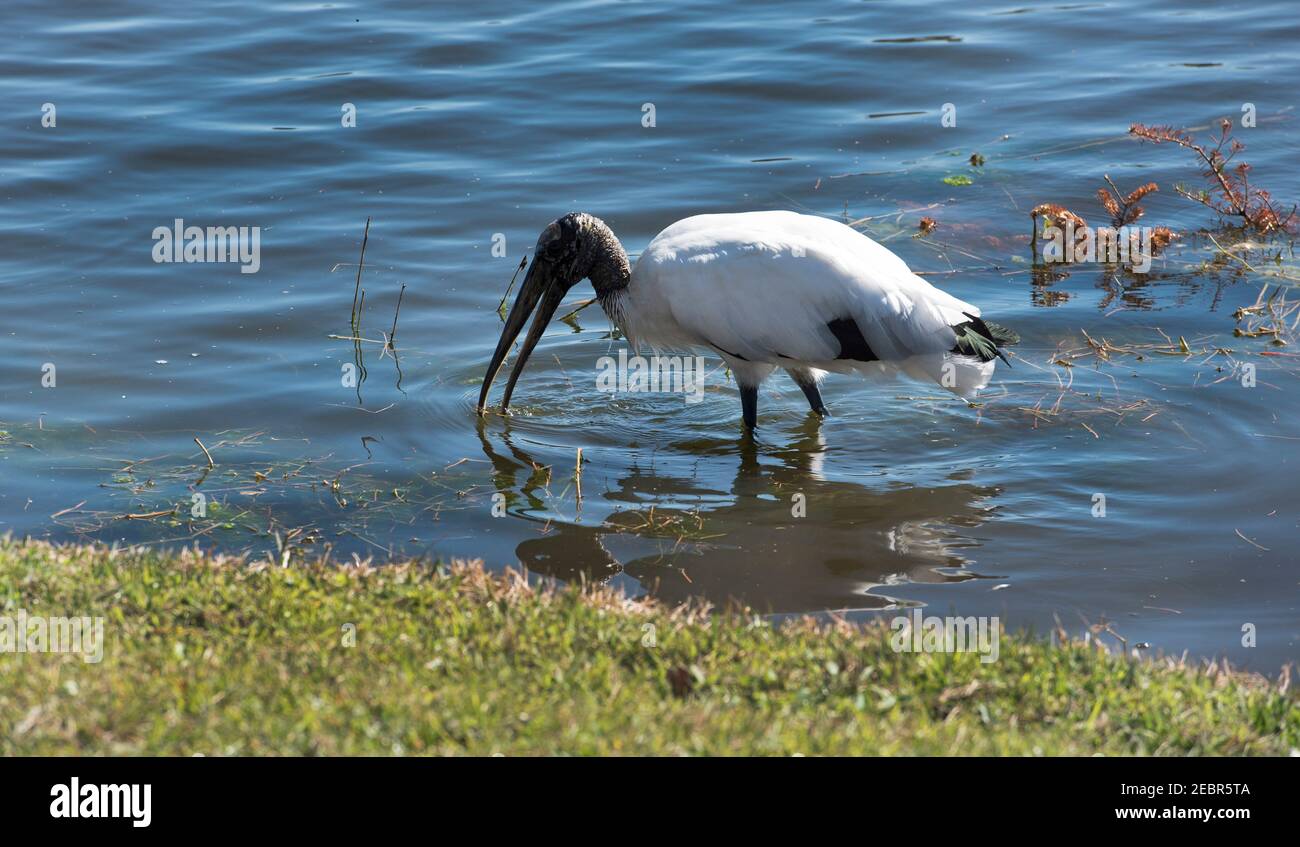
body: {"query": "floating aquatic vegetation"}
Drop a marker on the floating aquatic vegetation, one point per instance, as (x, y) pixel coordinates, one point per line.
(1124, 208)
(1065, 400)
(1105, 350)
(1059, 402)
(1271, 316)
(241, 495)
(1052, 214)
(1230, 193)
(1124, 211)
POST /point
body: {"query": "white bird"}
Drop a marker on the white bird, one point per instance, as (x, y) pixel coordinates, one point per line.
(763, 290)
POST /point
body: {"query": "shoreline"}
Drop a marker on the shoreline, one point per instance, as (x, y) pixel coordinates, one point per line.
(220, 655)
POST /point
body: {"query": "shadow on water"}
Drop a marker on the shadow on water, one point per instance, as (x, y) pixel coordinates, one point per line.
(781, 538)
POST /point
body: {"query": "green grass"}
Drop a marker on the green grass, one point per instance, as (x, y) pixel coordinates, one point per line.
(219, 656)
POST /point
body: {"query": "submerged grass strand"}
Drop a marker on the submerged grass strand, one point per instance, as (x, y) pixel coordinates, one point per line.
(206, 454)
(365, 238)
(501, 307)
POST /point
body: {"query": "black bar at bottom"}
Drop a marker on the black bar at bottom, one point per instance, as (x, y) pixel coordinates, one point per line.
(334, 797)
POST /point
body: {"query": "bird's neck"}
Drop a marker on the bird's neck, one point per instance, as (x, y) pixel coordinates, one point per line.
(610, 271)
(607, 268)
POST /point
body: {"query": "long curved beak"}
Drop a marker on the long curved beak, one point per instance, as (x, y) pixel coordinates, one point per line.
(539, 285)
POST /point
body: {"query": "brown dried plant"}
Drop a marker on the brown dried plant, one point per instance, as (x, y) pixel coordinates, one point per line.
(1055, 215)
(1124, 209)
(1230, 193)
(1160, 238)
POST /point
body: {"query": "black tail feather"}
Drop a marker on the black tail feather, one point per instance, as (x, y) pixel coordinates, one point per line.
(979, 339)
(1002, 335)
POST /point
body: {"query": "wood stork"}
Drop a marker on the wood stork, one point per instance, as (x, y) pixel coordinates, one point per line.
(764, 290)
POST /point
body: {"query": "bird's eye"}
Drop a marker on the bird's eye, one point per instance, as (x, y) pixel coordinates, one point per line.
(554, 249)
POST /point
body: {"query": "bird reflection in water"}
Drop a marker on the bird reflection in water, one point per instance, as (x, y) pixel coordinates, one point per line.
(679, 538)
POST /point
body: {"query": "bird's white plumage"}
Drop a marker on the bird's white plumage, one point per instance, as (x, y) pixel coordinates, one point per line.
(760, 288)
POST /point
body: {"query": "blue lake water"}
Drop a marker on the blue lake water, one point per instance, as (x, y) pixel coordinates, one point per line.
(477, 124)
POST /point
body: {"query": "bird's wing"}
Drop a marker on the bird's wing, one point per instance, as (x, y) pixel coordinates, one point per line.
(763, 285)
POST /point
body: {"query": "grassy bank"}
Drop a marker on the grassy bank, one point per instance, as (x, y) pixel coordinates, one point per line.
(216, 656)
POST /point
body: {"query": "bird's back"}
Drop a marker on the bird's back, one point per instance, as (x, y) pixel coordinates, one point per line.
(764, 284)
(772, 232)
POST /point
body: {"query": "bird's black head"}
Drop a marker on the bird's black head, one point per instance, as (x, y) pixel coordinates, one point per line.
(570, 249)
(560, 247)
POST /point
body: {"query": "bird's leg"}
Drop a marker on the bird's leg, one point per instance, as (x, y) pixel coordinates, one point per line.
(749, 376)
(808, 383)
(749, 405)
(814, 398)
